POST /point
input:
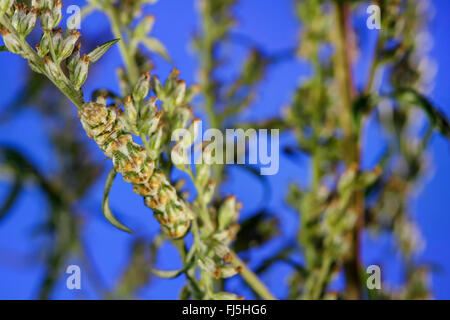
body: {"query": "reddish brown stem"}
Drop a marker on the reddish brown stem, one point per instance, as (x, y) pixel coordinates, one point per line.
(352, 145)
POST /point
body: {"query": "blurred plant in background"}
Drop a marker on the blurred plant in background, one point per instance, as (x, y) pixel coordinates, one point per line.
(329, 115)
(133, 128)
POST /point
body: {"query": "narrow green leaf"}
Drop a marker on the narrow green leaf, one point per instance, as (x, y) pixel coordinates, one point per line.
(98, 52)
(437, 118)
(105, 203)
(156, 46)
(3, 48)
(12, 196)
(170, 274)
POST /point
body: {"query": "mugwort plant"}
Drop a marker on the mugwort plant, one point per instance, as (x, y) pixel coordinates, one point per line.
(150, 136)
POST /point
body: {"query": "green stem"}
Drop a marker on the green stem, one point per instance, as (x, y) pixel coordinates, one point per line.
(351, 147)
(207, 83)
(124, 47)
(374, 66)
(203, 212)
(252, 279)
(73, 95)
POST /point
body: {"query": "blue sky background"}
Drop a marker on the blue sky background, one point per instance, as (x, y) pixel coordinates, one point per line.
(273, 26)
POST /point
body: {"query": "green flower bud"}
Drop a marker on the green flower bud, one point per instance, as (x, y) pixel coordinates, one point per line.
(37, 4)
(228, 213)
(47, 21)
(130, 111)
(229, 271)
(38, 50)
(191, 92)
(148, 109)
(44, 46)
(142, 87)
(208, 193)
(144, 27)
(50, 67)
(68, 44)
(28, 23)
(5, 5)
(57, 39)
(11, 42)
(57, 13)
(179, 155)
(20, 12)
(207, 153)
(152, 125)
(228, 235)
(72, 61)
(348, 178)
(179, 93)
(222, 251)
(157, 87)
(207, 264)
(193, 132)
(155, 142)
(182, 117)
(367, 178)
(47, 4)
(202, 174)
(172, 80)
(81, 71)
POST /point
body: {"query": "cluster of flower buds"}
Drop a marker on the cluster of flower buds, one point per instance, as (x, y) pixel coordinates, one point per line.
(130, 10)
(168, 208)
(54, 46)
(142, 118)
(217, 268)
(175, 95)
(112, 129)
(11, 41)
(338, 218)
(219, 264)
(24, 20)
(51, 14)
(105, 126)
(5, 6)
(79, 74)
(214, 256)
(227, 217)
(144, 27)
(63, 46)
(21, 19)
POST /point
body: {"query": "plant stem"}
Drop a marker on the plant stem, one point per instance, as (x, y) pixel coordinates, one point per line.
(352, 146)
(252, 279)
(373, 67)
(208, 86)
(75, 96)
(124, 48)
